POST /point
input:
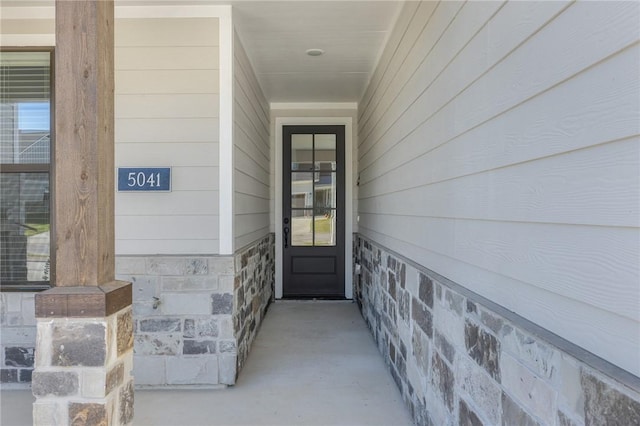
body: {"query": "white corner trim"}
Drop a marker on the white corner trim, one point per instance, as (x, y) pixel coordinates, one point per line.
(314, 105)
(226, 225)
(347, 122)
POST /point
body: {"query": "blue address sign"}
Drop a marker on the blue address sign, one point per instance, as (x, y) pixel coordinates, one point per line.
(144, 178)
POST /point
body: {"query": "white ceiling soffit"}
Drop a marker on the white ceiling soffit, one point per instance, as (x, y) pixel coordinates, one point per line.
(277, 34)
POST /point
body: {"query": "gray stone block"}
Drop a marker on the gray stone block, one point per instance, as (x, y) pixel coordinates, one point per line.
(484, 348)
(467, 417)
(422, 317)
(425, 290)
(532, 352)
(201, 327)
(482, 390)
(28, 310)
(18, 357)
(192, 370)
(564, 420)
(126, 266)
(160, 325)
(222, 304)
(453, 301)
(446, 348)
(533, 393)
(221, 265)
(149, 370)
(605, 405)
(197, 266)
(79, 344)
(145, 287)
(18, 336)
(190, 283)
(571, 396)
(185, 303)
(228, 346)
(8, 375)
(25, 375)
(391, 285)
(196, 347)
(157, 344)
(56, 383)
(443, 381)
(513, 414)
(164, 266)
(492, 322)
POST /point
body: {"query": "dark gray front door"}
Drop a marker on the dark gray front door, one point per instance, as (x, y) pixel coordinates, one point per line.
(313, 211)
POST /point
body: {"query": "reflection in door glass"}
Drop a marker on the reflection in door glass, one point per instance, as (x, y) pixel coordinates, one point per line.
(301, 152)
(301, 190)
(325, 228)
(313, 195)
(302, 227)
(325, 148)
(324, 195)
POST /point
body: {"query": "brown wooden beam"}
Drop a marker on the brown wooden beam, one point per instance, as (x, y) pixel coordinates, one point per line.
(84, 302)
(84, 144)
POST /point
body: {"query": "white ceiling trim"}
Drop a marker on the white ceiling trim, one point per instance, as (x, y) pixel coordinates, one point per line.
(314, 105)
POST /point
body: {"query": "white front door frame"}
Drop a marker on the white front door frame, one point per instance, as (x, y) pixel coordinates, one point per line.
(347, 122)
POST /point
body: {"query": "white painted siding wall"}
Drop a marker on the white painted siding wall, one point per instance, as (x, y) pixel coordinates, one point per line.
(167, 109)
(499, 147)
(251, 153)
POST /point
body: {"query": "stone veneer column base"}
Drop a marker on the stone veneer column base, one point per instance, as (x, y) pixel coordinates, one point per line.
(84, 356)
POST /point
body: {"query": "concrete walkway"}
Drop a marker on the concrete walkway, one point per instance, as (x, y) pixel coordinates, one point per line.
(313, 363)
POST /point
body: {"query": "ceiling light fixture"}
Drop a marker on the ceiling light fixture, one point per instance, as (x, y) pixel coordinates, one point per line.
(315, 52)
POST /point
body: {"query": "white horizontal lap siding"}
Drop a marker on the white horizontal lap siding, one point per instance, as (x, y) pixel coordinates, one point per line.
(18, 28)
(499, 146)
(251, 155)
(167, 115)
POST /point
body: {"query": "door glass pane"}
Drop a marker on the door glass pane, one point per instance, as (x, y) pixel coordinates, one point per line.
(302, 227)
(301, 152)
(301, 190)
(325, 227)
(24, 227)
(325, 150)
(325, 191)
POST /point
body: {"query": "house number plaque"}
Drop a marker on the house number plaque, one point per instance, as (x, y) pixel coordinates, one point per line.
(144, 179)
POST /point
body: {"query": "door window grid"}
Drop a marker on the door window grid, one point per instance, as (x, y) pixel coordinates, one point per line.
(313, 196)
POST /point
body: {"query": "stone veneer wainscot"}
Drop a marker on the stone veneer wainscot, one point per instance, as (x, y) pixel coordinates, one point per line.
(17, 339)
(196, 316)
(461, 359)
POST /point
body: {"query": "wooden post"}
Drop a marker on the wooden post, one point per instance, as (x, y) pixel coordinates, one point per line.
(84, 143)
(83, 368)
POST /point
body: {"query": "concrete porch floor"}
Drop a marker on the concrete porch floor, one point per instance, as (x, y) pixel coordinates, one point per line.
(313, 363)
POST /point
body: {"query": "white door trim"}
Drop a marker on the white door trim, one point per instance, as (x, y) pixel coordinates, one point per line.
(347, 122)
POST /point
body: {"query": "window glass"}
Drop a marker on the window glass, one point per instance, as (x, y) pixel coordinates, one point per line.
(25, 156)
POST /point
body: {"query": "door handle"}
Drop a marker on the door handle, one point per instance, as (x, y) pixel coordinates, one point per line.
(286, 236)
